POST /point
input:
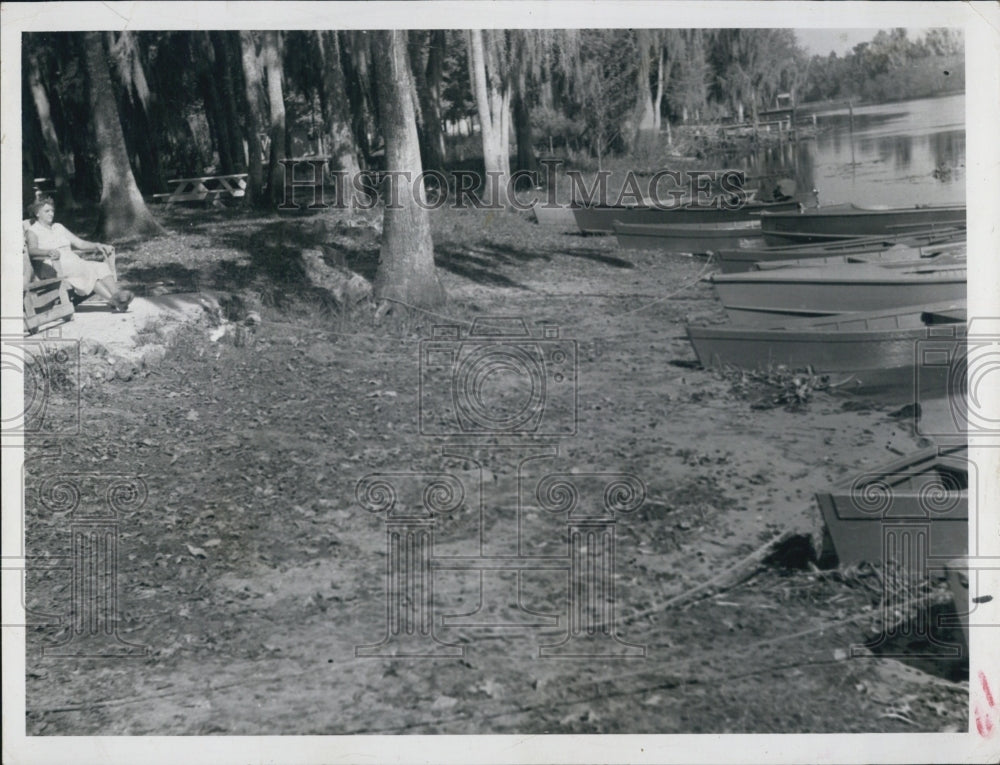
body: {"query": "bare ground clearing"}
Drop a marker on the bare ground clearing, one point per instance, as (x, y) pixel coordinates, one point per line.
(251, 455)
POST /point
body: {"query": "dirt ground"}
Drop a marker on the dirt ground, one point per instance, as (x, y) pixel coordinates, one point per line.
(251, 573)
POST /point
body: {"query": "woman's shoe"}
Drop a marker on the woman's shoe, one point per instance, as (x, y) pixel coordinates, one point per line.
(121, 300)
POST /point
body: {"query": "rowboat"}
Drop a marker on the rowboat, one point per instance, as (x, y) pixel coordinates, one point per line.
(554, 215)
(871, 352)
(599, 219)
(766, 298)
(840, 221)
(899, 256)
(737, 260)
(909, 511)
(694, 238)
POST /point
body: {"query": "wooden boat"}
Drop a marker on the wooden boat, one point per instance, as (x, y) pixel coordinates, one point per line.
(899, 256)
(909, 510)
(556, 216)
(766, 298)
(693, 238)
(839, 221)
(871, 352)
(745, 259)
(599, 219)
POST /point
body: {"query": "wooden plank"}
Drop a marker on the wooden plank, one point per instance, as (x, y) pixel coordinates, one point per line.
(206, 178)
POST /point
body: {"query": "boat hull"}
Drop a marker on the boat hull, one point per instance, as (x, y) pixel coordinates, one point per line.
(894, 257)
(873, 352)
(694, 238)
(839, 221)
(747, 259)
(557, 217)
(767, 298)
(907, 511)
(599, 219)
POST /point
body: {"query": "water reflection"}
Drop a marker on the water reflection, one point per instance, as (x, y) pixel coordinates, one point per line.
(897, 154)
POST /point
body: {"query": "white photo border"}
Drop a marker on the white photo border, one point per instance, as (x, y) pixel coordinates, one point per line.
(981, 24)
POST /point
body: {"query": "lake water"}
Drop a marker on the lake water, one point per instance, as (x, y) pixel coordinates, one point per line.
(889, 158)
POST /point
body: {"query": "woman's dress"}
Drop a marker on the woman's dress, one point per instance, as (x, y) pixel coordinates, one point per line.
(81, 274)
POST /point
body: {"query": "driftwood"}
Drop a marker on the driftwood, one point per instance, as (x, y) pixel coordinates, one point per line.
(740, 571)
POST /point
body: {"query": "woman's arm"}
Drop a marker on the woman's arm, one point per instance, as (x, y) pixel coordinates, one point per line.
(36, 252)
(85, 246)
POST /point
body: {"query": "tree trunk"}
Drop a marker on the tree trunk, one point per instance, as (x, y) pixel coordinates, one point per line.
(522, 132)
(645, 117)
(660, 83)
(492, 94)
(252, 79)
(357, 80)
(342, 146)
(435, 76)
(275, 171)
(123, 211)
(27, 176)
(427, 73)
(143, 119)
(64, 194)
(224, 65)
(406, 259)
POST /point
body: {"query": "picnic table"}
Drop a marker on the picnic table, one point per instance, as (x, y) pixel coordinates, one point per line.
(43, 187)
(206, 188)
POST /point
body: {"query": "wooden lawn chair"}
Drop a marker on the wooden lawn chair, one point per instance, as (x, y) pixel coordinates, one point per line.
(46, 301)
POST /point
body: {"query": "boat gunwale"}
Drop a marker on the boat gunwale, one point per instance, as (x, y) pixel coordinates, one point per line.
(871, 275)
(852, 210)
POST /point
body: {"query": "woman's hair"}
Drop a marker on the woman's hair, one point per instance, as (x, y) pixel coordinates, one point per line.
(38, 204)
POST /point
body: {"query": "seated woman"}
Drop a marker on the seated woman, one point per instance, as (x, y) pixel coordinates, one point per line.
(50, 242)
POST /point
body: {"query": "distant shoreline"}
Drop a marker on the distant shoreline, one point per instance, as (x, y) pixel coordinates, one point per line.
(811, 107)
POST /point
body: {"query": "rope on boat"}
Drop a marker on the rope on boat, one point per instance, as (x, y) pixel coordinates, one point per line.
(708, 264)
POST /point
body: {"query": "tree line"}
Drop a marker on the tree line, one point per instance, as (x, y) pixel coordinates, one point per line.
(111, 116)
(191, 100)
(890, 67)
(226, 100)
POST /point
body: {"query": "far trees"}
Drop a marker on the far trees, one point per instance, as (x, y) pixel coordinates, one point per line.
(406, 272)
(427, 53)
(604, 86)
(335, 106)
(122, 209)
(40, 97)
(691, 85)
